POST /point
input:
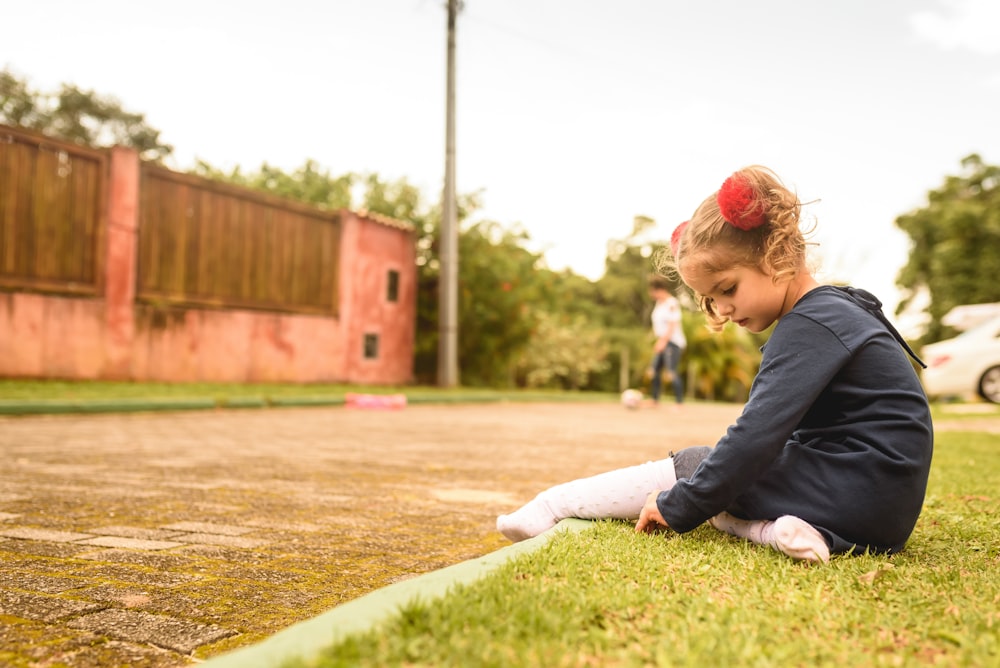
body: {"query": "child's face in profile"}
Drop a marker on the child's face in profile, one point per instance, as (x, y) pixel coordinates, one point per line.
(745, 295)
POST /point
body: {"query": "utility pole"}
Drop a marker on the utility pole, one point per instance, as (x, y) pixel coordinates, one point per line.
(448, 282)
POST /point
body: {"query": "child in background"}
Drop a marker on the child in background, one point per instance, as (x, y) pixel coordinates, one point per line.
(833, 449)
(670, 341)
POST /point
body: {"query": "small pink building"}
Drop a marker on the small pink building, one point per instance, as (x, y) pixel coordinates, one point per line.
(137, 292)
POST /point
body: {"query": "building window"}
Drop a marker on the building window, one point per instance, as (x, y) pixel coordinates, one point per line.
(371, 346)
(392, 288)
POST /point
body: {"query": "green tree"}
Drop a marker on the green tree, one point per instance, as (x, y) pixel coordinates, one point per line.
(496, 287)
(309, 183)
(17, 101)
(622, 297)
(564, 350)
(719, 366)
(623, 289)
(955, 244)
(402, 200)
(78, 115)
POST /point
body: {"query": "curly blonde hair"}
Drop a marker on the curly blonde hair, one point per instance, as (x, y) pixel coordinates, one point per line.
(777, 246)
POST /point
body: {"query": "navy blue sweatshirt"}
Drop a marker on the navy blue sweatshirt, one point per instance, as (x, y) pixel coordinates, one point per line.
(836, 431)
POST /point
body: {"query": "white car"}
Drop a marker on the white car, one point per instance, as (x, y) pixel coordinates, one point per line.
(967, 364)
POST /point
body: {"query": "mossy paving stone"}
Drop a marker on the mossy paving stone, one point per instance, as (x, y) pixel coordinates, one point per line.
(44, 548)
(283, 577)
(20, 561)
(158, 560)
(43, 608)
(47, 584)
(229, 603)
(127, 574)
(125, 596)
(213, 557)
(105, 653)
(61, 646)
(179, 635)
(134, 532)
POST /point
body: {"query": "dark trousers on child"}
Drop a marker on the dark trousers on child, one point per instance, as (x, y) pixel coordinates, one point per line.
(668, 358)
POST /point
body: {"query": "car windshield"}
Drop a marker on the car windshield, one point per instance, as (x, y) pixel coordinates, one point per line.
(988, 329)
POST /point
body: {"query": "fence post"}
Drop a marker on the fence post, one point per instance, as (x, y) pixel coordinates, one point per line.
(120, 263)
(624, 371)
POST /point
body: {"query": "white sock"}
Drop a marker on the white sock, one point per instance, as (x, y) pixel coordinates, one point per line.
(618, 494)
(799, 540)
(788, 534)
(750, 530)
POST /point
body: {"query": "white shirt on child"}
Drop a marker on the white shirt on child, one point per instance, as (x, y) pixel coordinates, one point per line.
(666, 312)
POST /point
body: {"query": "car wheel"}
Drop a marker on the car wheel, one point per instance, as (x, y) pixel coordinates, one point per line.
(989, 385)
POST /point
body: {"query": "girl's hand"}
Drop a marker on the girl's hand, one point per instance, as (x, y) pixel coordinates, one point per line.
(650, 519)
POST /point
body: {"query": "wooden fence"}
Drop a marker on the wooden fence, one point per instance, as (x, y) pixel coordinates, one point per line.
(52, 208)
(200, 243)
(204, 243)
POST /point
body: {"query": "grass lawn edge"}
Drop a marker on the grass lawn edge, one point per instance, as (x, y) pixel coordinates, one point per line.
(308, 638)
(23, 407)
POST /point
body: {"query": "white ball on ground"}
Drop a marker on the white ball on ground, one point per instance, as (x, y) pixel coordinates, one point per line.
(631, 399)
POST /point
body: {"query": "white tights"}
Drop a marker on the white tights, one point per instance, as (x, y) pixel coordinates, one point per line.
(618, 495)
(622, 493)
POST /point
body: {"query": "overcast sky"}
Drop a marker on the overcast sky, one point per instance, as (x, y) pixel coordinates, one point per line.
(573, 116)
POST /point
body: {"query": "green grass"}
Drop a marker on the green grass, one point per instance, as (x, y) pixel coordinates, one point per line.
(611, 597)
(52, 390)
(964, 410)
(42, 391)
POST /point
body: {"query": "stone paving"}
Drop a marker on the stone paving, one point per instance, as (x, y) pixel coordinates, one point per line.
(160, 539)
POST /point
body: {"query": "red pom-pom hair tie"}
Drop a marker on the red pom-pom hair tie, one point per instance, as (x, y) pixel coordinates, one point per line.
(738, 203)
(675, 238)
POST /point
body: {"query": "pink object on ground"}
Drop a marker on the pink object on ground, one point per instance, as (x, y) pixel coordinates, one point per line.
(375, 401)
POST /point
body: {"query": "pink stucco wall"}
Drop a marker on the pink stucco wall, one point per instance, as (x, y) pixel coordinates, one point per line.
(115, 337)
(51, 337)
(378, 249)
(119, 262)
(235, 346)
